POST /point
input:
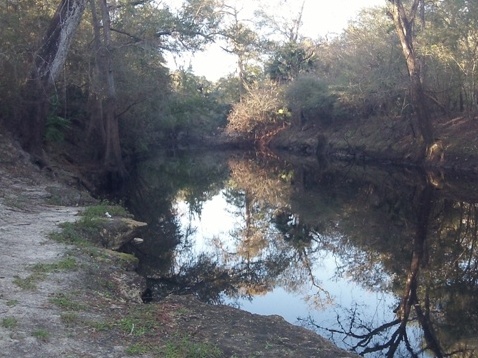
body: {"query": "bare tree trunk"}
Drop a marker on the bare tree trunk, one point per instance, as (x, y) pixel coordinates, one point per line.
(419, 260)
(107, 99)
(47, 65)
(404, 27)
(96, 133)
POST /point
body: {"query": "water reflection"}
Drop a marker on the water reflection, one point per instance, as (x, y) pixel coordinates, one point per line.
(381, 262)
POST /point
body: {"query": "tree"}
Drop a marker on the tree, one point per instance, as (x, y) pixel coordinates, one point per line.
(282, 28)
(364, 67)
(242, 41)
(453, 34)
(107, 101)
(291, 60)
(46, 66)
(291, 54)
(310, 100)
(404, 25)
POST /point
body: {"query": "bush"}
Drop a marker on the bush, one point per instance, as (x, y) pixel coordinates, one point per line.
(261, 109)
(311, 101)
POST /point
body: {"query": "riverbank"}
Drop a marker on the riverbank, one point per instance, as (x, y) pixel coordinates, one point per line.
(62, 299)
(386, 141)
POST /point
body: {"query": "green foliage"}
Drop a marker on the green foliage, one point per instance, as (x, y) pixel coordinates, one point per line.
(185, 348)
(72, 233)
(140, 321)
(98, 211)
(311, 100)
(86, 230)
(364, 66)
(12, 303)
(448, 42)
(41, 334)
(228, 90)
(101, 326)
(55, 125)
(66, 302)
(291, 60)
(69, 318)
(27, 283)
(9, 322)
(40, 272)
(22, 25)
(68, 263)
(82, 232)
(193, 109)
(137, 349)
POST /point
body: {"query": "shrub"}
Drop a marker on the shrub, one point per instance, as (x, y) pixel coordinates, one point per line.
(311, 100)
(261, 109)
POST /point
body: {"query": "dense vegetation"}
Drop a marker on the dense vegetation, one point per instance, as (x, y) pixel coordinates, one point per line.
(90, 77)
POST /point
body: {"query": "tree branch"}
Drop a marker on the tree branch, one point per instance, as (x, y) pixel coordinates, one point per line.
(136, 38)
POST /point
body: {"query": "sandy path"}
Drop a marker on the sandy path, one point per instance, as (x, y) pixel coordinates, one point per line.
(31, 325)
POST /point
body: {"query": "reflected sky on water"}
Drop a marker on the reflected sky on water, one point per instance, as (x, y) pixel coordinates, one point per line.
(218, 221)
(382, 262)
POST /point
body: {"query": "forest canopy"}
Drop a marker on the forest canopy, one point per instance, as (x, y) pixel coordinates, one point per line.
(93, 75)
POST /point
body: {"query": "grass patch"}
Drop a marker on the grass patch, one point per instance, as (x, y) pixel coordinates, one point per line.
(140, 322)
(9, 322)
(137, 349)
(69, 318)
(67, 264)
(75, 233)
(145, 324)
(28, 283)
(66, 303)
(40, 272)
(41, 334)
(100, 326)
(12, 303)
(100, 210)
(17, 202)
(185, 348)
(83, 232)
(177, 348)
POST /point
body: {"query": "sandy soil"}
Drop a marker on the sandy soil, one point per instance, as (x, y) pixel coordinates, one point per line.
(32, 322)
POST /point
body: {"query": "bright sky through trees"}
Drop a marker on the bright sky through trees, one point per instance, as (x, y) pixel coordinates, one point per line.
(320, 18)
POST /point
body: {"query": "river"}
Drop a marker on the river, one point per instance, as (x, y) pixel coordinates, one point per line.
(382, 261)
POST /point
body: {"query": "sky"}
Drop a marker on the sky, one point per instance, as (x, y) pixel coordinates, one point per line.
(320, 18)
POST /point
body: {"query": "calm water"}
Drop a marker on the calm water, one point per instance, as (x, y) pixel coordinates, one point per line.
(381, 262)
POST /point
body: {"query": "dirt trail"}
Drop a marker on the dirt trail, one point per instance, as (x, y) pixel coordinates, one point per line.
(31, 322)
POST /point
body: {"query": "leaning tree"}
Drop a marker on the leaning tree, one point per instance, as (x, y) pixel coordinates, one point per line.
(46, 66)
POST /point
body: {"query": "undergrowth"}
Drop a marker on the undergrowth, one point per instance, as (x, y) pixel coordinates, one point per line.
(82, 232)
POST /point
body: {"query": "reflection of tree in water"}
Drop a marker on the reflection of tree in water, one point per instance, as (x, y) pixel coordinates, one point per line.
(390, 232)
(440, 251)
(255, 191)
(293, 231)
(269, 226)
(264, 253)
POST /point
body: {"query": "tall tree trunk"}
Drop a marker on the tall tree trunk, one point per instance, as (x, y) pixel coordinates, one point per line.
(47, 65)
(96, 133)
(108, 99)
(404, 27)
(420, 260)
